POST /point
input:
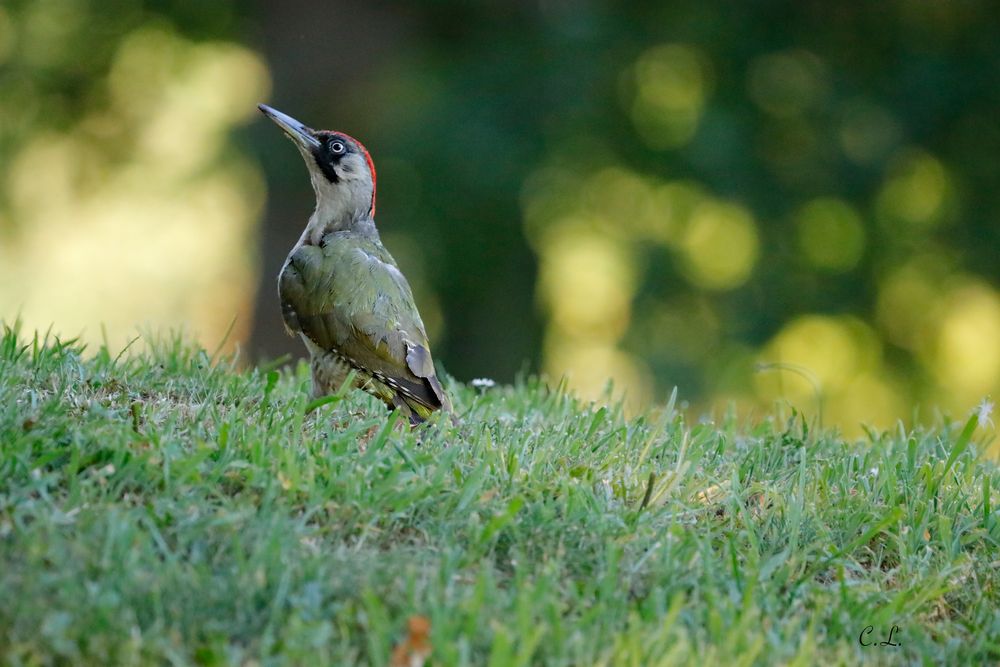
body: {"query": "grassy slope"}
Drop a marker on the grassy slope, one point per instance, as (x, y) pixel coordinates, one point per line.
(159, 508)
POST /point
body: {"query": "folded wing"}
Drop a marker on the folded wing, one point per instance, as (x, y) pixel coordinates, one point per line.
(348, 297)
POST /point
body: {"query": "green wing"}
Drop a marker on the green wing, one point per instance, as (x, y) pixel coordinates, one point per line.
(348, 297)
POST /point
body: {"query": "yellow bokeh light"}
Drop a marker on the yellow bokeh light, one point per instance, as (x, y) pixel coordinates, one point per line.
(719, 246)
(830, 349)
(147, 60)
(586, 280)
(867, 399)
(787, 83)
(624, 199)
(908, 301)
(830, 363)
(831, 234)
(673, 205)
(632, 207)
(966, 356)
(134, 217)
(60, 158)
(916, 191)
(672, 83)
(183, 95)
(590, 366)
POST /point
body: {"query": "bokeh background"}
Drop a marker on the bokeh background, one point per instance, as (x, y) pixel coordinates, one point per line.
(759, 201)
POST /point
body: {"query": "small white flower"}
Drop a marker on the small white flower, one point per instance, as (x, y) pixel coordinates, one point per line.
(983, 412)
(873, 472)
(606, 490)
(482, 383)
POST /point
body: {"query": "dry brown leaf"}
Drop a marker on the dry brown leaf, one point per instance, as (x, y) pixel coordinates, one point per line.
(712, 494)
(415, 649)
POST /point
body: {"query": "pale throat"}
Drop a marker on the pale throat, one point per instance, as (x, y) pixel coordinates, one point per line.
(343, 205)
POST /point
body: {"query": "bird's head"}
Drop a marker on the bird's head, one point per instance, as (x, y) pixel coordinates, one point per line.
(341, 170)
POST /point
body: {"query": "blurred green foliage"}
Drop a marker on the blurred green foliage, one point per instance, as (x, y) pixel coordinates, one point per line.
(662, 193)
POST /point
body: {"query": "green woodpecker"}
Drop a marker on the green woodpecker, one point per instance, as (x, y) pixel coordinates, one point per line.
(341, 290)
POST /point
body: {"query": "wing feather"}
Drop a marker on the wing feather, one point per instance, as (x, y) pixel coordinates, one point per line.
(347, 296)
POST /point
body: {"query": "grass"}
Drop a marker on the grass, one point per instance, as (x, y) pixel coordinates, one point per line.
(167, 508)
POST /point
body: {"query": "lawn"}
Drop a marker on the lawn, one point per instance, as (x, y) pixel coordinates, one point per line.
(163, 506)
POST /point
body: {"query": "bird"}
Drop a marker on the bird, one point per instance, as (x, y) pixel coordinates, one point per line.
(341, 291)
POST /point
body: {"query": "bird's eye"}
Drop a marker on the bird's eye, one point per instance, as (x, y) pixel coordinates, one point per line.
(337, 147)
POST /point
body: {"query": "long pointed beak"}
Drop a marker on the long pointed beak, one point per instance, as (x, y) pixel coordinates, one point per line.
(295, 130)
